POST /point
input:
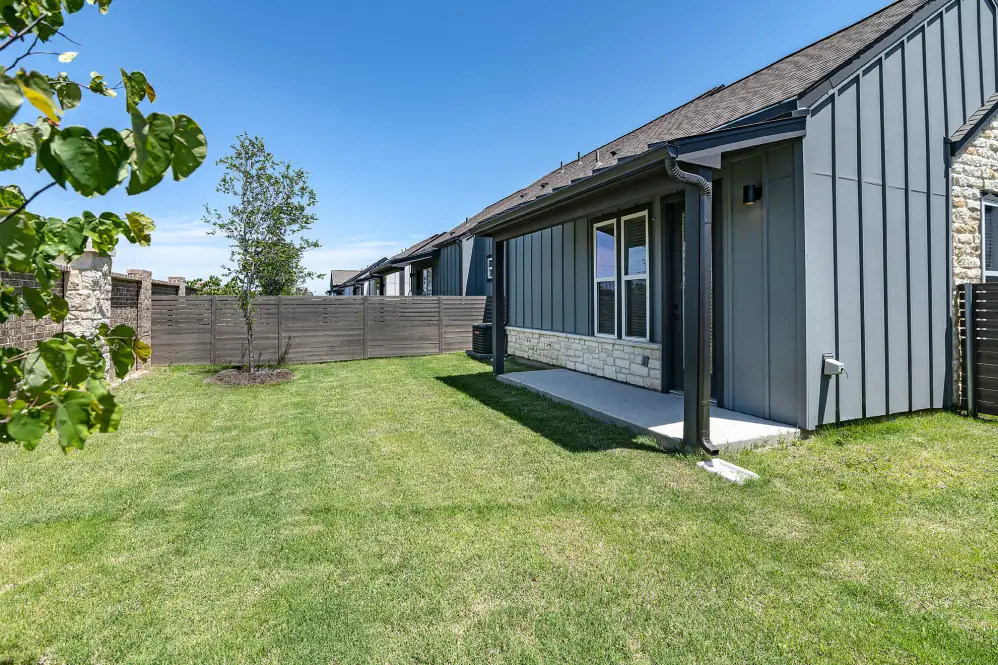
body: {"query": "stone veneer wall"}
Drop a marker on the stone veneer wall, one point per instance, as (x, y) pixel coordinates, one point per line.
(974, 173)
(617, 359)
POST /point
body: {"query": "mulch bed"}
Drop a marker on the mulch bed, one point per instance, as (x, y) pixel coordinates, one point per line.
(237, 377)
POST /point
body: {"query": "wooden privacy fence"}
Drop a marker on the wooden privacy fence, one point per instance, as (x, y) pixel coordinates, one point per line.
(977, 321)
(203, 330)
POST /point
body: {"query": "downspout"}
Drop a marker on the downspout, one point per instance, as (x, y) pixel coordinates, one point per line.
(702, 392)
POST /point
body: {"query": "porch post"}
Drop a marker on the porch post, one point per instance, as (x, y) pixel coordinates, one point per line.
(499, 308)
(697, 316)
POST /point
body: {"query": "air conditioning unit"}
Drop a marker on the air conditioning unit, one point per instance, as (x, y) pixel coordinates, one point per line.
(481, 338)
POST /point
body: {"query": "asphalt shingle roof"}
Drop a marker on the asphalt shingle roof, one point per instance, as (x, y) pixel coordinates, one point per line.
(338, 277)
(786, 79)
(971, 126)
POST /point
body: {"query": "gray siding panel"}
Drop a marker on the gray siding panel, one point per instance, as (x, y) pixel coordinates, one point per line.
(536, 280)
(971, 42)
(547, 275)
(568, 276)
(747, 363)
(583, 285)
(819, 243)
(549, 269)
(897, 233)
(847, 250)
(760, 284)
(886, 228)
(956, 114)
(781, 239)
(872, 246)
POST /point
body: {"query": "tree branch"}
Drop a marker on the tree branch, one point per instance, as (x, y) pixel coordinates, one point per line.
(21, 208)
(20, 35)
(26, 54)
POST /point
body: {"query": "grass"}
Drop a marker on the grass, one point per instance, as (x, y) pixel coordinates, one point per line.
(416, 511)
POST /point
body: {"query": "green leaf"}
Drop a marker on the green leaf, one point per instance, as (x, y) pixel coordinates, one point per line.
(69, 93)
(58, 355)
(72, 418)
(35, 88)
(37, 377)
(76, 151)
(153, 138)
(47, 161)
(141, 228)
(58, 308)
(10, 99)
(108, 412)
(10, 307)
(73, 6)
(11, 197)
(18, 241)
(29, 425)
(190, 148)
(135, 88)
(36, 302)
(17, 144)
(65, 237)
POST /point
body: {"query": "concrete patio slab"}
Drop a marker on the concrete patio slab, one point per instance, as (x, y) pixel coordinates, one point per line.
(646, 411)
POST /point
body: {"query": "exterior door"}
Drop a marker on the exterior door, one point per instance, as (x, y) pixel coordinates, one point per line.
(674, 218)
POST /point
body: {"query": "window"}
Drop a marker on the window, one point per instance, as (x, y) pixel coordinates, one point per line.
(989, 239)
(605, 248)
(488, 267)
(634, 251)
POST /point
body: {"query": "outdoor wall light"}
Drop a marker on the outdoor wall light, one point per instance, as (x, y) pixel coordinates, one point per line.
(751, 194)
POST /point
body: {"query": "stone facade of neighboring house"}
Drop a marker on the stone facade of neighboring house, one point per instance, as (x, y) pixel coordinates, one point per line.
(975, 173)
(637, 363)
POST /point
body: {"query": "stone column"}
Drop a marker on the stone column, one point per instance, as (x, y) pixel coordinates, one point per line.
(88, 293)
(143, 318)
(181, 284)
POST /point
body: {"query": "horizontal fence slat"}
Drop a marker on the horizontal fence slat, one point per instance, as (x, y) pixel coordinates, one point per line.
(301, 329)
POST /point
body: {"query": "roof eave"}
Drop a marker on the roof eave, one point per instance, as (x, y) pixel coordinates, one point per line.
(700, 149)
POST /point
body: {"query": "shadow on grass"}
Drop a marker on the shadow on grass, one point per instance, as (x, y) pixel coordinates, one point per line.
(561, 424)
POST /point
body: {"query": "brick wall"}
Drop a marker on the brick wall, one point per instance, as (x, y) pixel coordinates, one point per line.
(637, 363)
(25, 331)
(165, 289)
(124, 301)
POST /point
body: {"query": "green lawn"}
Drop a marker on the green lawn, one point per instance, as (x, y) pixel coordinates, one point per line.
(416, 511)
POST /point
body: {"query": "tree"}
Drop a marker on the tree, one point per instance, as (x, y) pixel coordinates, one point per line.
(273, 208)
(62, 383)
(212, 286)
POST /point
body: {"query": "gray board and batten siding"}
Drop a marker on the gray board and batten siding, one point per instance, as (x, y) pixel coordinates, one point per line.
(877, 255)
(550, 279)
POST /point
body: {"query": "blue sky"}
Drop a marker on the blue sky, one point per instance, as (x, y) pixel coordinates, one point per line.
(408, 116)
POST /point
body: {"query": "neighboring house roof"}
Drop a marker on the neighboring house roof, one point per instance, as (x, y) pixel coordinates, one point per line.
(364, 274)
(417, 249)
(789, 78)
(969, 129)
(338, 277)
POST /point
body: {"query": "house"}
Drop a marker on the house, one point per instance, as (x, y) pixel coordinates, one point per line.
(454, 263)
(785, 246)
(337, 278)
(363, 283)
